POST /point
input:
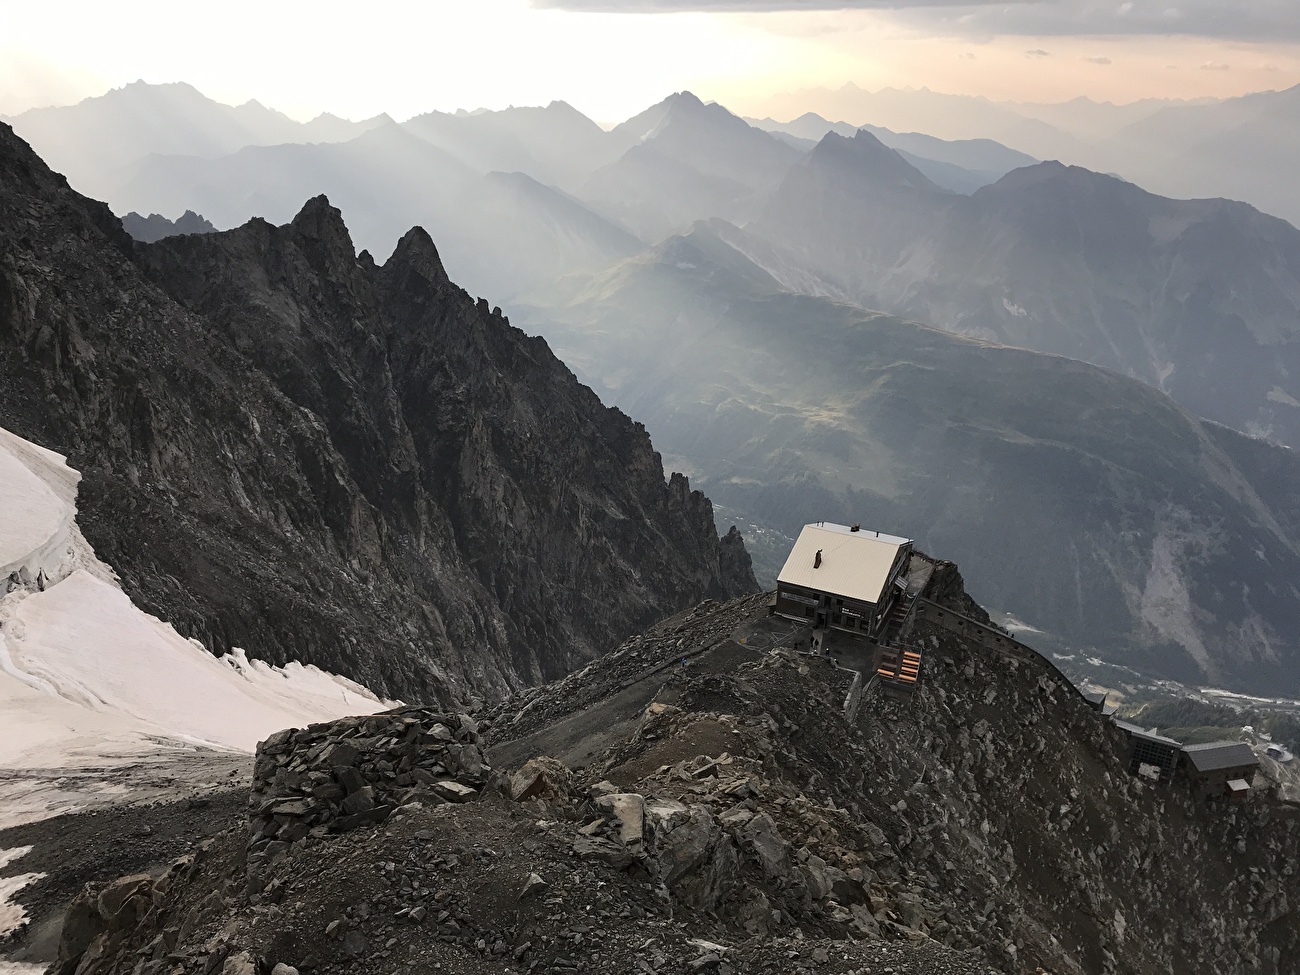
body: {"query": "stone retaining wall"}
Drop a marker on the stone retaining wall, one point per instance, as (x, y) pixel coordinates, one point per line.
(987, 636)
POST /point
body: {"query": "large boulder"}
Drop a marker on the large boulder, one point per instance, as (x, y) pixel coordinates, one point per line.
(762, 838)
(697, 859)
(541, 778)
(627, 810)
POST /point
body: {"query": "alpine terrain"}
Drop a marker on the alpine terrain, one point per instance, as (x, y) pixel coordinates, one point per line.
(291, 449)
(347, 627)
(1105, 517)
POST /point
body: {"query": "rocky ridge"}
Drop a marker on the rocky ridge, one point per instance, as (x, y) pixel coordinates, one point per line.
(290, 449)
(736, 822)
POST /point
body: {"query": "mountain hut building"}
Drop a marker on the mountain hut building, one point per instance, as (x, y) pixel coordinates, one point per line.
(841, 577)
(1220, 768)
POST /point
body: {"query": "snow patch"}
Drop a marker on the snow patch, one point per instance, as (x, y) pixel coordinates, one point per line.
(1018, 625)
(87, 678)
(1163, 371)
(12, 915)
(84, 642)
(37, 523)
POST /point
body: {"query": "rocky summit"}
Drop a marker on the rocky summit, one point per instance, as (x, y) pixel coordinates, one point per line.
(709, 798)
(291, 449)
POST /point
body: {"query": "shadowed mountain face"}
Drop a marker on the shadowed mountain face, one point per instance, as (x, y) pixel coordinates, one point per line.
(1086, 504)
(292, 450)
(1199, 298)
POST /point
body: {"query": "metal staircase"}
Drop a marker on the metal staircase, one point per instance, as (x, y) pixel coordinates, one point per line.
(898, 667)
(896, 618)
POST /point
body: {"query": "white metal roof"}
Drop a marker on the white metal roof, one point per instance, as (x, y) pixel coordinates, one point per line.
(855, 565)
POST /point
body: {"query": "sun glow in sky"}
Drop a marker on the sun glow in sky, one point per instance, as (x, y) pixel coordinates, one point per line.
(405, 57)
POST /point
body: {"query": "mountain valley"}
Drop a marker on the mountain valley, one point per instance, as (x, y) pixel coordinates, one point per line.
(1106, 517)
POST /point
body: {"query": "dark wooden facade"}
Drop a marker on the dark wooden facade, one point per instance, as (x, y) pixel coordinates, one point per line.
(828, 610)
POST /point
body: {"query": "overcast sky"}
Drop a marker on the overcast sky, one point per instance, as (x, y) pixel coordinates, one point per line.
(611, 58)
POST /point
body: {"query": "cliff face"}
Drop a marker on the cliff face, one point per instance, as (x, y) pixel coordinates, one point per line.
(290, 449)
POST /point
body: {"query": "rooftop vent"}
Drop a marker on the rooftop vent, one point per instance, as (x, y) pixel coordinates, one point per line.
(817, 559)
(856, 527)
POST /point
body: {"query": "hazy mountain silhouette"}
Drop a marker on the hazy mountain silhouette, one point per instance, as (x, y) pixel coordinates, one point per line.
(935, 113)
(1201, 298)
(503, 233)
(556, 144)
(685, 160)
(1085, 503)
(94, 142)
(984, 156)
(1242, 148)
(156, 226)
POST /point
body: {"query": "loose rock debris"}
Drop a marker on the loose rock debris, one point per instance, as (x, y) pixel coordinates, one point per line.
(735, 822)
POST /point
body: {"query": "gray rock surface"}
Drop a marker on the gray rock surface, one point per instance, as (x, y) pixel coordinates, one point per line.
(340, 775)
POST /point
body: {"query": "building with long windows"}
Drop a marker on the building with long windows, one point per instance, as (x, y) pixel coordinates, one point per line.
(843, 577)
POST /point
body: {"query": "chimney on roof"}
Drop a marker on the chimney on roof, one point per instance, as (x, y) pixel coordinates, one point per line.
(817, 559)
(856, 527)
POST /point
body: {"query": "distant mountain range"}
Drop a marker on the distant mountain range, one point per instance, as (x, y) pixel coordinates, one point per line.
(96, 142)
(684, 160)
(1081, 502)
(1199, 298)
(963, 165)
(1241, 148)
(156, 226)
(711, 277)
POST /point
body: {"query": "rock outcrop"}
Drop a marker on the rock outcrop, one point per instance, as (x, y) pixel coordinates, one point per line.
(338, 775)
(290, 449)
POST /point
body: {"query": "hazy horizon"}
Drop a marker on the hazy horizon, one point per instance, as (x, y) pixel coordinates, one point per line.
(772, 103)
(610, 61)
